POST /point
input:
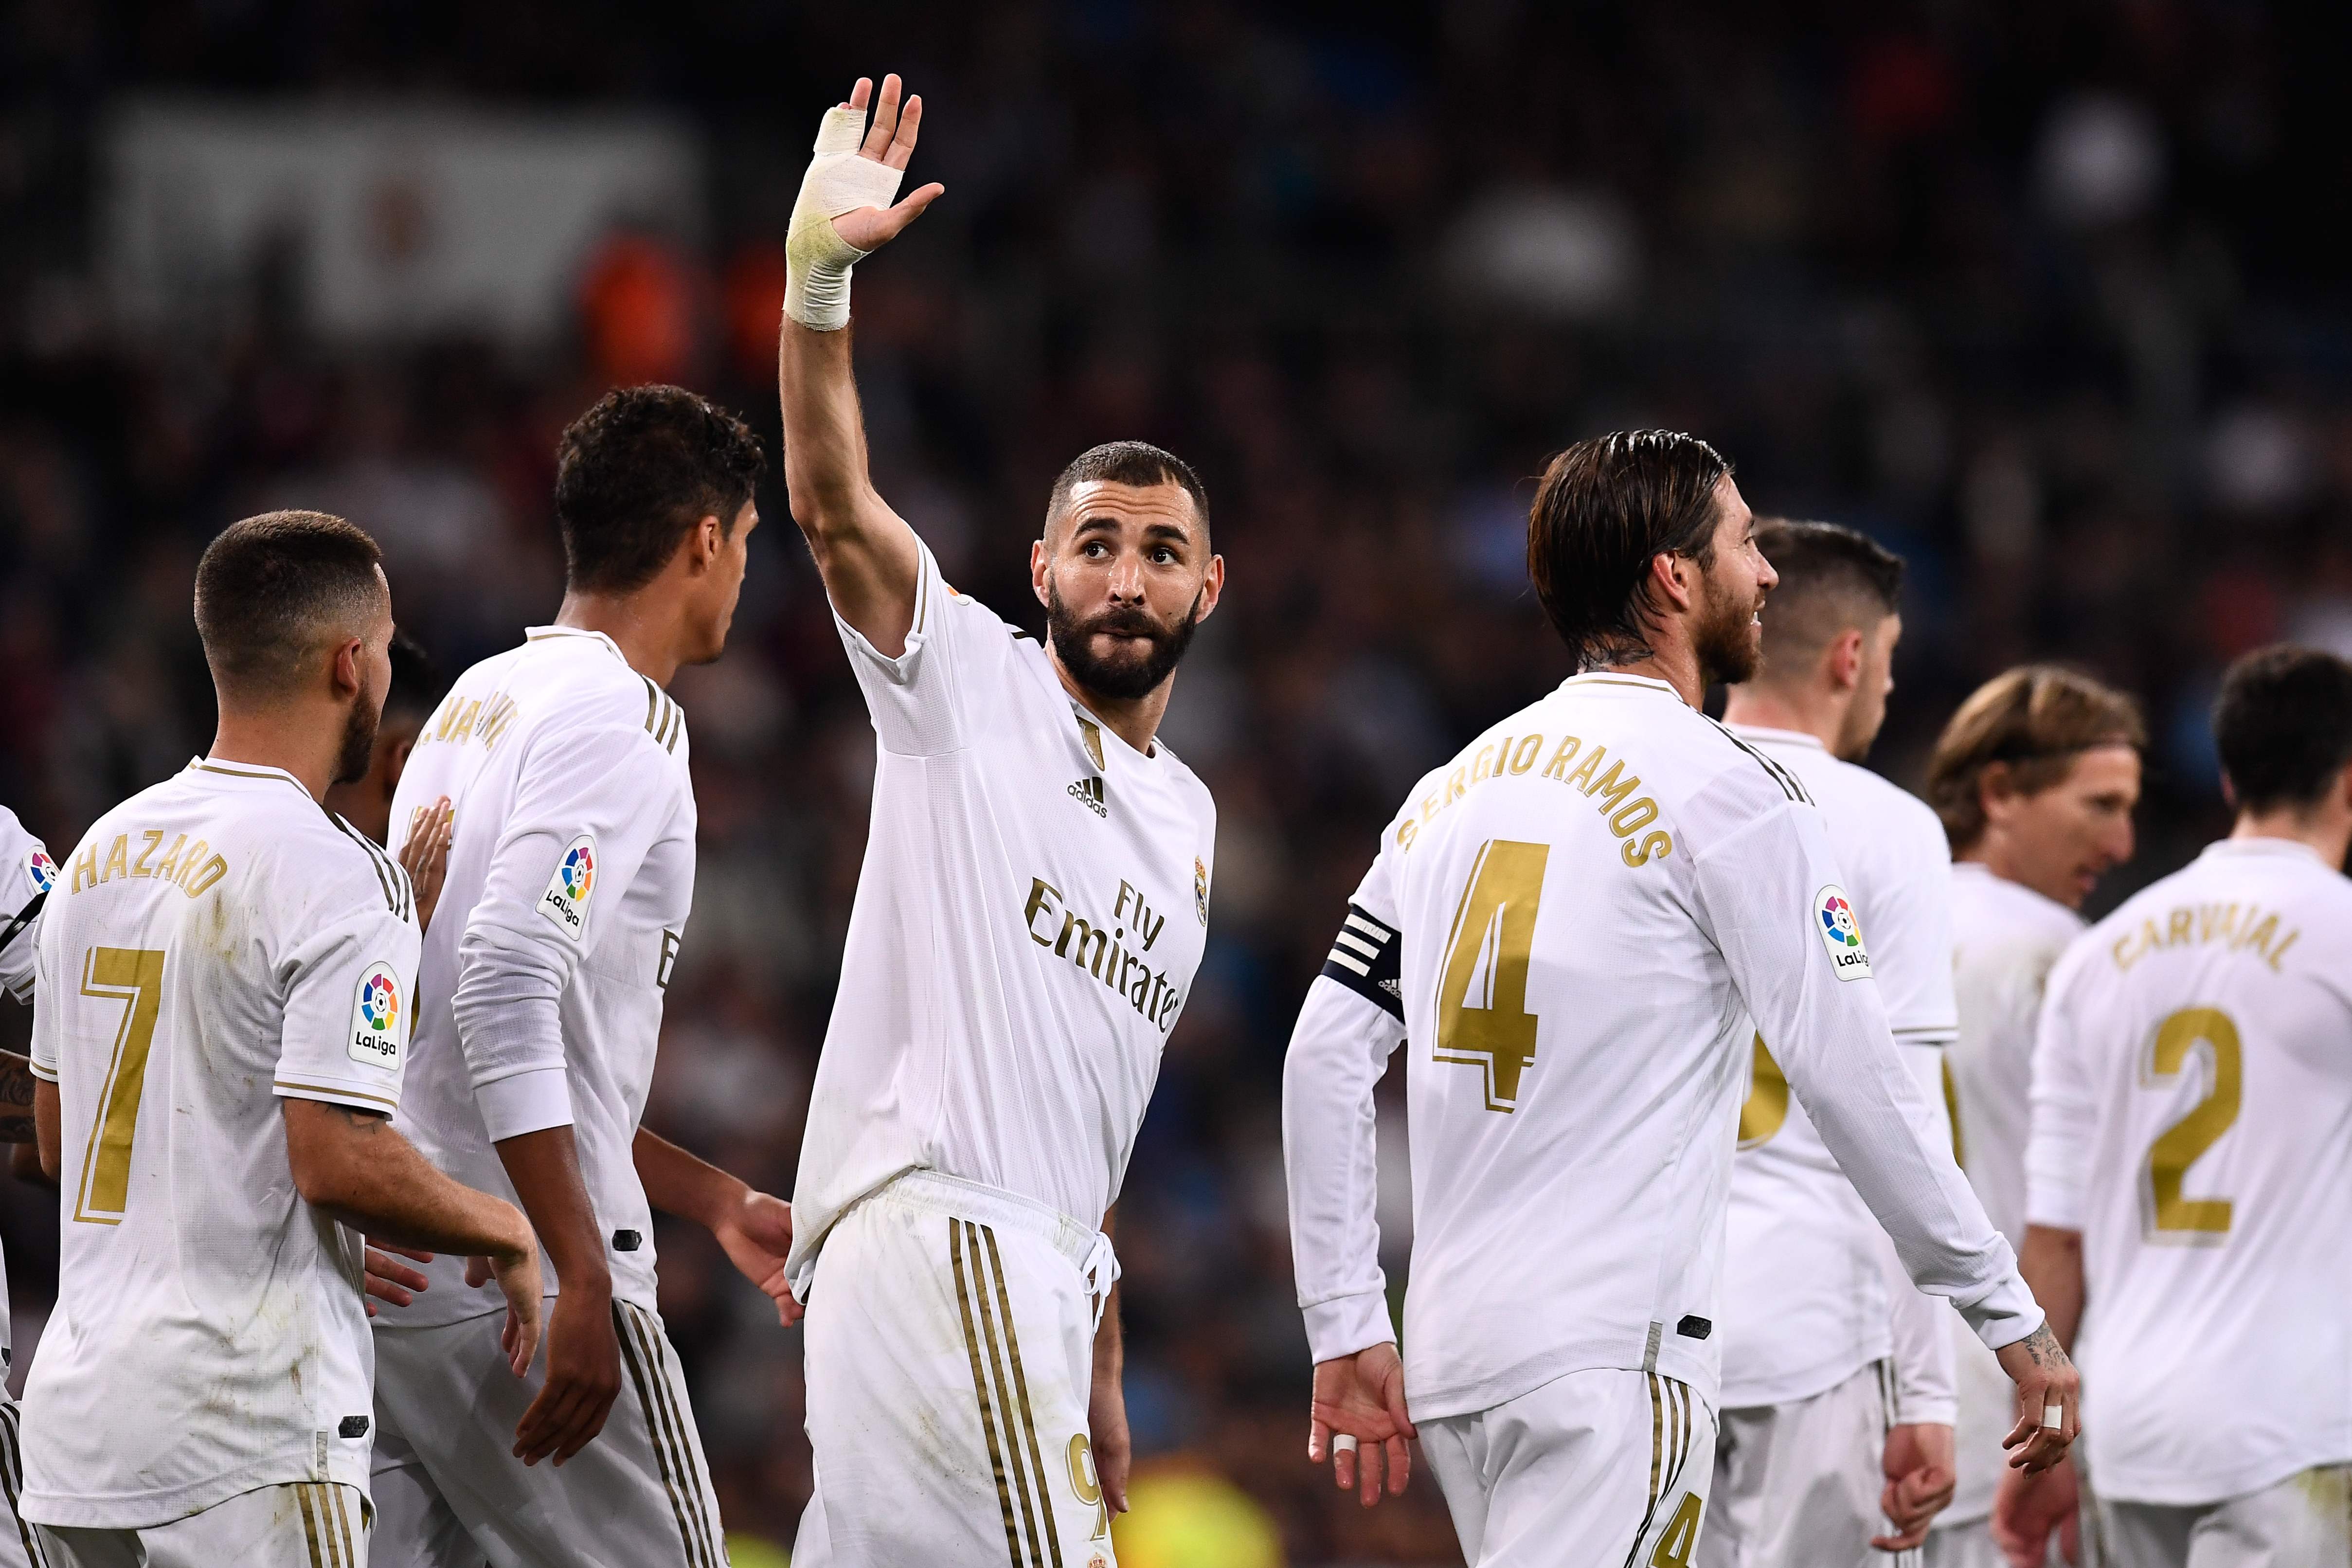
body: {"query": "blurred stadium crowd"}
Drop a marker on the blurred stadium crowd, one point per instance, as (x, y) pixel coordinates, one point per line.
(2038, 294)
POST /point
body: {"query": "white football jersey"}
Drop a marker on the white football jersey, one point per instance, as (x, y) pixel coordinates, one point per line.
(1581, 924)
(26, 874)
(2005, 938)
(1033, 906)
(570, 872)
(2192, 1119)
(1810, 1290)
(218, 942)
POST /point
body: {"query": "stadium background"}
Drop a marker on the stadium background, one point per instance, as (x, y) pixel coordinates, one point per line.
(2048, 296)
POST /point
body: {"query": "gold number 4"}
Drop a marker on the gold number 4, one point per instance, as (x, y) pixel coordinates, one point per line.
(1088, 1485)
(2180, 1144)
(135, 977)
(1494, 932)
(1679, 1544)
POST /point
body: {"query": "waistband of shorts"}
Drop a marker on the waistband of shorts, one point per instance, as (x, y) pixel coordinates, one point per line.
(939, 1193)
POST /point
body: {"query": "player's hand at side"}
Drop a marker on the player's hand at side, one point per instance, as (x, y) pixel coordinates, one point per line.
(758, 1236)
(584, 1376)
(1361, 1396)
(516, 1269)
(2027, 1507)
(1109, 1439)
(390, 1280)
(425, 857)
(1920, 1478)
(889, 141)
(2049, 1400)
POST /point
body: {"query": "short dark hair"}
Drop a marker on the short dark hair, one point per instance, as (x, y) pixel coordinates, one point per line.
(637, 471)
(1832, 579)
(2036, 719)
(1137, 463)
(1602, 509)
(271, 589)
(417, 683)
(2283, 724)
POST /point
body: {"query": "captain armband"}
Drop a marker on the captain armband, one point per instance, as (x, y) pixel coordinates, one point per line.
(816, 258)
(1364, 958)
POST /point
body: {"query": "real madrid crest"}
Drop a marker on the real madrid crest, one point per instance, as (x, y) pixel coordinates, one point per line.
(1200, 889)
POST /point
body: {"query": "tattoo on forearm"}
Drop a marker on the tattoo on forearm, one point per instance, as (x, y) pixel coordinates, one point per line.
(16, 1082)
(2044, 1348)
(368, 1122)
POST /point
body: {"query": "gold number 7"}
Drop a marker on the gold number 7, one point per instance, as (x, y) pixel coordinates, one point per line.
(135, 977)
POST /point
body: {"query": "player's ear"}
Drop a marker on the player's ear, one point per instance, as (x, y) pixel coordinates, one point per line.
(1212, 588)
(1041, 557)
(1845, 656)
(346, 667)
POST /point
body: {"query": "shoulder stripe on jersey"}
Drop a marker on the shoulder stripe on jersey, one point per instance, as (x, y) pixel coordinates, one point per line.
(1789, 782)
(388, 874)
(652, 702)
(23, 918)
(1364, 958)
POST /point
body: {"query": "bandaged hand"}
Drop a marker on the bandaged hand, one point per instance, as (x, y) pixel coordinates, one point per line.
(846, 208)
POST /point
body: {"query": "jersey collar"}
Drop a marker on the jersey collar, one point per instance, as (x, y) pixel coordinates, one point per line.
(549, 634)
(1764, 736)
(1616, 678)
(248, 771)
(2264, 846)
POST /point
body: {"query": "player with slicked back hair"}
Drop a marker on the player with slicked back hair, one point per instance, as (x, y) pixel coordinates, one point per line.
(229, 986)
(1034, 903)
(560, 772)
(2188, 1175)
(1577, 927)
(2035, 777)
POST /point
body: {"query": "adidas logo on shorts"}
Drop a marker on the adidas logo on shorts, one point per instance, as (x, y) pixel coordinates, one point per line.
(1088, 792)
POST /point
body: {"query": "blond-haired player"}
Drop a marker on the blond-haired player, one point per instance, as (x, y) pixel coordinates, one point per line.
(2035, 777)
(1579, 927)
(2189, 1173)
(1837, 1372)
(1034, 904)
(228, 983)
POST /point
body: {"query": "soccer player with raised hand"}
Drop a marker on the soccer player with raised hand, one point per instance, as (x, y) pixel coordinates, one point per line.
(1032, 908)
(1577, 928)
(228, 991)
(570, 872)
(2188, 1173)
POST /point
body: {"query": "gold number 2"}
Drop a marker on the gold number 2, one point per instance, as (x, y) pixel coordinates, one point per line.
(1088, 1485)
(1494, 932)
(2180, 1144)
(135, 977)
(1679, 1544)
(1767, 1101)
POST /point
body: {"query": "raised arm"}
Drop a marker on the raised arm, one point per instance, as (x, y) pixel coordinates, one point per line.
(864, 551)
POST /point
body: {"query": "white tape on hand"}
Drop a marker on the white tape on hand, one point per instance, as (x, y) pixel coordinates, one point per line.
(2054, 1417)
(816, 258)
(1343, 1442)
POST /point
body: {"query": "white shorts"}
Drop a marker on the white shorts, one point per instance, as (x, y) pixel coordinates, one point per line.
(18, 1549)
(949, 1361)
(295, 1524)
(1797, 1485)
(1968, 1544)
(1615, 1463)
(450, 1492)
(2304, 1519)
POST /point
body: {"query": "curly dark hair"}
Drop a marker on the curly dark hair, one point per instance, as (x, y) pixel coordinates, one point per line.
(639, 470)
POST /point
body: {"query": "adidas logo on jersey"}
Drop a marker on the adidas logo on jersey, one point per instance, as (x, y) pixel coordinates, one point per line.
(1088, 792)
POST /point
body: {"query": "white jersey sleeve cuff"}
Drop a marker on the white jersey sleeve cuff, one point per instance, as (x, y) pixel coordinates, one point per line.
(524, 1103)
(1346, 1324)
(368, 1097)
(2006, 1315)
(1919, 1411)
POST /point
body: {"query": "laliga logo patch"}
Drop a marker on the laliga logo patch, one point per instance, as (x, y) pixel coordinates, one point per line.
(1841, 933)
(375, 1018)
(41, 870)
(566, 900)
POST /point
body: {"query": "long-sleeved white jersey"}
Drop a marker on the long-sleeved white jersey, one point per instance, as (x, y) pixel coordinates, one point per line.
(1812, 1291)
(2005, 938)
(1034, 904)
(2193, 1120)
(1581, 924)
(570, 876)
(219, 943)
(26, 874)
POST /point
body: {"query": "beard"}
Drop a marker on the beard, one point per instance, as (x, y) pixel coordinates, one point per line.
(359, 739)
(1728, 641)
(1124, 676)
